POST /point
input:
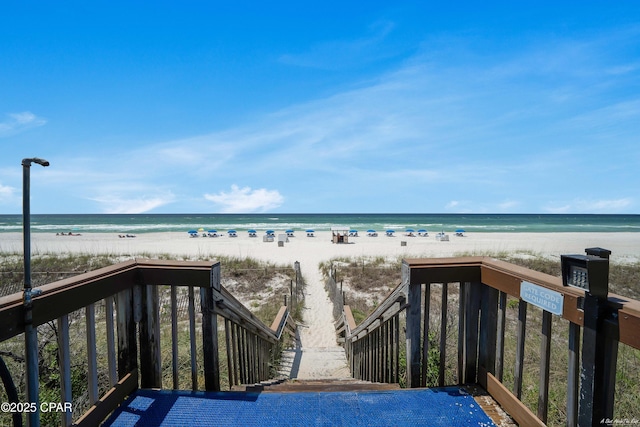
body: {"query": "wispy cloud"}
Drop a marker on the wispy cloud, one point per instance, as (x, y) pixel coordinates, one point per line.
(18, 122)
(493, 133)
(338, 54)
(244, 200)
(6, 192)
(113, 204)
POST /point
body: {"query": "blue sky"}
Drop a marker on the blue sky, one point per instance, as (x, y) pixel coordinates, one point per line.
(207, 106)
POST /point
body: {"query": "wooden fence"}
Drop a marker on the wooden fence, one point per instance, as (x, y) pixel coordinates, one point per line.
(129, 294)
(482, 286)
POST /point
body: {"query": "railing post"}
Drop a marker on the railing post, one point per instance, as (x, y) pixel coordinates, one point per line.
(150, 356)
(127, 348)
(488, 328)
(210, 332)
(470, 314)
(413, 327)
(598, 363)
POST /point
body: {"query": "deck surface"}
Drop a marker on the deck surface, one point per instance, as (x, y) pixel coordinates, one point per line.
(448, 406)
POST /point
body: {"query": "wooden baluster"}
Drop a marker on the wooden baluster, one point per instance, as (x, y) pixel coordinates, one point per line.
(443, 334)
(174, 337)
(192, 340)
(65, 365)
(545, 357)
(92, 361)
(520, 337)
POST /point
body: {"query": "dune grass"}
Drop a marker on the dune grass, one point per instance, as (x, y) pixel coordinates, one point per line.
(262, 285)
(376, 276)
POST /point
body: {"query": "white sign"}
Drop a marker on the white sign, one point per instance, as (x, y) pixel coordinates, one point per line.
(542, 297)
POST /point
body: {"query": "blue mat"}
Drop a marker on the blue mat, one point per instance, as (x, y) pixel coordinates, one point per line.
(448, 406)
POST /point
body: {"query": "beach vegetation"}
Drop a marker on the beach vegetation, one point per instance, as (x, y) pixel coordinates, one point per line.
(364, 292)
(261, 284)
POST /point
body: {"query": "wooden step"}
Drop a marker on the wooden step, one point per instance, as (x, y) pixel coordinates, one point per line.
(329, 385)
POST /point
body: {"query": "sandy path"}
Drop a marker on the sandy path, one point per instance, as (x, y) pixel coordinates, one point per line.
(319, 355)
(318, 329)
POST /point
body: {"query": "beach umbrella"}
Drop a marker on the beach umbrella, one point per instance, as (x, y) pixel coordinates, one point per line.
(251, 231)
(391, 231)
(200, 230)
(310, 231)
(371, 231)
(270, 231)
(231, 231)
(410, 230)
(422, 230)
(459, 230)
(353, 231)
(212, 231)
(289, 231)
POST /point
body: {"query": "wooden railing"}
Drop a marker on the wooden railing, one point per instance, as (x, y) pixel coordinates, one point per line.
(130, 294)
(480, 286)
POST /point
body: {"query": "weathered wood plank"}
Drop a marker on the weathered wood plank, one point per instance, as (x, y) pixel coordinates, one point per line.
(110, 401)
(443, 334)
(520, 341)
(111, 342)
(150, 353)
(510, 403)
(126, 330)
(488, 326)
(65, 366)
(92, 357)
(192, 340)
(413, 334)
(545, 357)
(425, 334)
(573, 381)
(174, 338)
(502, 311)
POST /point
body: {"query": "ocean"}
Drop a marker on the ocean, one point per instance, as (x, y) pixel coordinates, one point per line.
(471, 223)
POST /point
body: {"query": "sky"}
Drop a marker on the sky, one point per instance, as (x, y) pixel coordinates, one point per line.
(321, 107)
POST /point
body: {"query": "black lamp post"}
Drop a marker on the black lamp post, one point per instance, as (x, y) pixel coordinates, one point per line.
(30, 334)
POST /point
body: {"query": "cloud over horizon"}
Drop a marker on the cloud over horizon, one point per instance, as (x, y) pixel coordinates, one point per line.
(246, 200)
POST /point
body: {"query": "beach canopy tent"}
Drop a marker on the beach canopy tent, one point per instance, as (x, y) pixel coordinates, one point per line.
(422, 232)
(289, 233)
(232, 233)
(252, 233)
(372, 233)
(390, 232)
(310, 232)
(212, 233)
(340, 234)
(353, 233)
(193, 233)
(460, 232)
(270, 232)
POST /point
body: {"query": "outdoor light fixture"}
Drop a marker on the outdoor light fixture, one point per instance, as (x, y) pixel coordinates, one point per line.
(30, 333)
(588, 272)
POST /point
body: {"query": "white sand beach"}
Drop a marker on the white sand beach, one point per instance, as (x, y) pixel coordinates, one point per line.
(317, 333)
(311, 250)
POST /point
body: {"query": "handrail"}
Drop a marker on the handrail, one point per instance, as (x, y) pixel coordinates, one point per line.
(388, 307)
(130, 293)
(484, 284)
